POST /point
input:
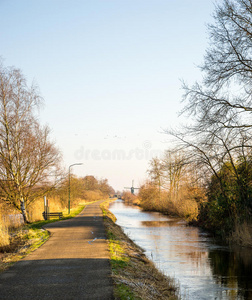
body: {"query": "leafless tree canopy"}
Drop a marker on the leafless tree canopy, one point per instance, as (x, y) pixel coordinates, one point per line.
(221, 105)
(27, 157)
(224, 96)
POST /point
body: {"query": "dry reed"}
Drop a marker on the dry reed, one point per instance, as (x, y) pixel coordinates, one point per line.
(4, 235)
(242, 234)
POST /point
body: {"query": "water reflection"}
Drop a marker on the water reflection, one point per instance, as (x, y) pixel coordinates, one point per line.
(233, 269)
(160, 223)
(205, 270)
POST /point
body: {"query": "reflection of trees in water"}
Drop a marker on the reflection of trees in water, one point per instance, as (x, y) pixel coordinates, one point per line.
(176, 238)
(160, 223)
(233, 269)
(229, 268)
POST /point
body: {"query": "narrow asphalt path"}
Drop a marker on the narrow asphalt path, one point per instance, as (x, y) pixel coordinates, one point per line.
(72, 264)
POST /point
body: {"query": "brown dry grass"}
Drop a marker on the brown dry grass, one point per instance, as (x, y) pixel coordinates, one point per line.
(4, 235)
(242, 234)
(182, 203)
(37, 207)
(9, 222)
(139, 274)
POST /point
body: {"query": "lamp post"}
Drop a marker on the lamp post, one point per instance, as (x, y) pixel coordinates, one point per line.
(69, 200)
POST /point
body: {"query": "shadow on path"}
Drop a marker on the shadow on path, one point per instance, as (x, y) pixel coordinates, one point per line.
(57, 279)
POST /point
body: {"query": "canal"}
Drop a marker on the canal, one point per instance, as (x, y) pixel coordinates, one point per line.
(203, 268)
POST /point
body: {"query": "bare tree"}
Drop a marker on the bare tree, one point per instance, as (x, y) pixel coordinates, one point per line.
(28, 159)
(173, 164)
(224, 96)
(156, 173)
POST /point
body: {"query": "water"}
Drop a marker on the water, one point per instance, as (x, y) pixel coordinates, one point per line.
(203, 268)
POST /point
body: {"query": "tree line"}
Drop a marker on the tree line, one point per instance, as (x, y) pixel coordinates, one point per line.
(88, 188)
(213, 152)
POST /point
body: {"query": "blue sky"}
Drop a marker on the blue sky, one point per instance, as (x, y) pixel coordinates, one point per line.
(109, 72)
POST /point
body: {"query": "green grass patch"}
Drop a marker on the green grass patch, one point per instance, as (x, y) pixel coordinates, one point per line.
(118, 258)
(123, 292)
(36, 238)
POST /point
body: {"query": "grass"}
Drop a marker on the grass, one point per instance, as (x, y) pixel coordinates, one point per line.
(28, 238)
(135, 277)
(117, 257)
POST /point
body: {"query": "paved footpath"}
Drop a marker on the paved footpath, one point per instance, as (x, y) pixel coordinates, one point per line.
(72, 264)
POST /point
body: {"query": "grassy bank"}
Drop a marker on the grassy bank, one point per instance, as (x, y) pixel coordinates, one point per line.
(28, 238)
(134, 276)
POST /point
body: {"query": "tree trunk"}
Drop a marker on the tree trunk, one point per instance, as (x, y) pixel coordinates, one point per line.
(22, 206)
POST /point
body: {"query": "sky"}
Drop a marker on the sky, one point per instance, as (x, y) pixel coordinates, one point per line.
(110, 74)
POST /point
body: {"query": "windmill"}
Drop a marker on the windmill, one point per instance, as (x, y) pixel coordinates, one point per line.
(132, 189)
